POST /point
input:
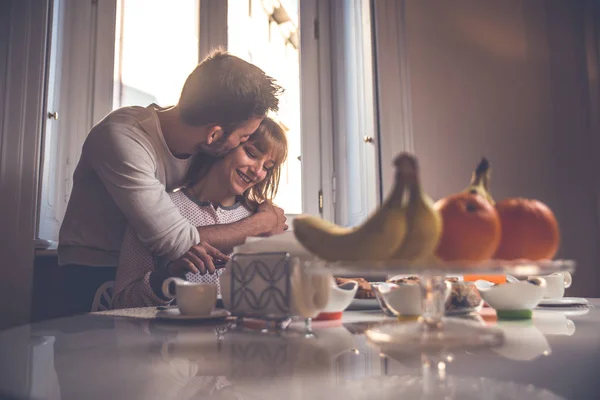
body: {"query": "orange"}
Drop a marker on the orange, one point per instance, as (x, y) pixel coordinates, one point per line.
(529, 230)
(491, 278)
(471, 228)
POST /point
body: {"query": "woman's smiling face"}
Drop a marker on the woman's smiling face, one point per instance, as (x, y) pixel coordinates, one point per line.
(245, 166)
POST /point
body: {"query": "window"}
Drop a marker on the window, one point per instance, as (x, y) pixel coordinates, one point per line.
(118, 53)
(356, 140)
(156, 47)
(266, 33)
(52, 204)
(123, 52)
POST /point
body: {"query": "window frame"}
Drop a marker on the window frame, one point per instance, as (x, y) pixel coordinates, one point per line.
(356, 137)
(393, 85)
(316, 104)
(87, 57)
(78, 104)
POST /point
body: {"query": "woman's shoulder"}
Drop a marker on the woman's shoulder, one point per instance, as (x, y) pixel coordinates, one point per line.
(197, 213)
(183, 201)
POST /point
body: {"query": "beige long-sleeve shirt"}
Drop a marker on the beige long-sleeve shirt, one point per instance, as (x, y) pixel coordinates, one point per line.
(122, 178)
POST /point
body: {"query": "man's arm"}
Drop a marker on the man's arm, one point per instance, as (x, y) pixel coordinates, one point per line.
(225, 236)
(126, 164)
(268, 220)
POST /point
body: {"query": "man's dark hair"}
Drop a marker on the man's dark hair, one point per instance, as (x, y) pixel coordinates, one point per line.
(227, 91)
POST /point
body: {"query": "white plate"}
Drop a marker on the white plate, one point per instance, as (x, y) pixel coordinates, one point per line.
(563, 302)
(566, 311)
(174, 314)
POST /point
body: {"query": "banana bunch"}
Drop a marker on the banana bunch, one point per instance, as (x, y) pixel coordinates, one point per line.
(423, 224)
(405, 227)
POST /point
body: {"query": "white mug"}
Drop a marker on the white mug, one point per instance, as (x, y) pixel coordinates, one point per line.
(556, 284)
(192, 298)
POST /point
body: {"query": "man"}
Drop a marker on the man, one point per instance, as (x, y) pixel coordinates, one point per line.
(135, 154)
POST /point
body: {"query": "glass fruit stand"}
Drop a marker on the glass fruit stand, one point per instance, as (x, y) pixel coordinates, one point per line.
(409, 226)
(434, 339)
(465, 225)
(433, 332)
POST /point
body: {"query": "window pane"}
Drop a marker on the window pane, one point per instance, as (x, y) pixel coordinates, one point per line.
(156, 49)
(266, 33)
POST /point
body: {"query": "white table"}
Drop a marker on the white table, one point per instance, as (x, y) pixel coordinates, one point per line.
(553, 356)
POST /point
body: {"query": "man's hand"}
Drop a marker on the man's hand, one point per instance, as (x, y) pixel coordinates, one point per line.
(274, 218)
(199, 258)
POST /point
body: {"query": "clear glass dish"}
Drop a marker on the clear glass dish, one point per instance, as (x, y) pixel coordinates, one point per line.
(464, 298)
(377, 268)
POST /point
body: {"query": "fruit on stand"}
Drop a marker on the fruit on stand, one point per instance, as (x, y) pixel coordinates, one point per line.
(471, 228)
(490, 278)
(480, 184)
(468, 226)
(529, 230)
(423, 222)
(376, 239)
(480, 181)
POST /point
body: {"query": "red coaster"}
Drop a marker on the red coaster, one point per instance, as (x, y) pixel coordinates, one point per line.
(328, 316)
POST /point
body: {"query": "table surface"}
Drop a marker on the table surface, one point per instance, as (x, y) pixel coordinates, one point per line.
(556, 355)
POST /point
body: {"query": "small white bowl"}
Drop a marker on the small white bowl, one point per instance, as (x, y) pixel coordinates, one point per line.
(340, 297)
(512, 296)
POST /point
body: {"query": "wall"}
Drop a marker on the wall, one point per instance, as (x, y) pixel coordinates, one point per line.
(23, 25)
(507, 80)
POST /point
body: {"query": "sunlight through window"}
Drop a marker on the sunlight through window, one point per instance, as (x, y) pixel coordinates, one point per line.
(265, 32)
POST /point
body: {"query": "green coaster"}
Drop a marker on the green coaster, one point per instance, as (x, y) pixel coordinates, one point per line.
(514, 314)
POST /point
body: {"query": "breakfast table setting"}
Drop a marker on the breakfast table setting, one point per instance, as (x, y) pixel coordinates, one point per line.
(459, 299)
(132, 354)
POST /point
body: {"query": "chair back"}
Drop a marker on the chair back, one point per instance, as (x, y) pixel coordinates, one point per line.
(103, 297)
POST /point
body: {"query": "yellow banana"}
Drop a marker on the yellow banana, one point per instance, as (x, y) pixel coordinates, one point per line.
(480, 181)
(375, 239)
(424, 224)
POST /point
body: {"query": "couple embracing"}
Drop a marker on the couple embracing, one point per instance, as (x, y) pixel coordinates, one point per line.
(162, 192)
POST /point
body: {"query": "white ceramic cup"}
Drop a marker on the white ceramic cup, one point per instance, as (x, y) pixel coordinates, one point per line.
(556, 284)
(192, 298)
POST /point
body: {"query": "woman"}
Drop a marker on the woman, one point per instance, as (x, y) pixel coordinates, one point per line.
(221, 191)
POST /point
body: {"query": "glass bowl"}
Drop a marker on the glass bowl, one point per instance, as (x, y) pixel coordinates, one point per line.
(464, 298)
